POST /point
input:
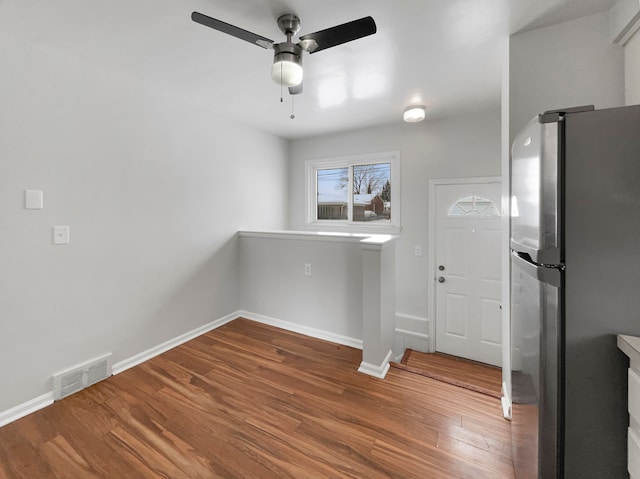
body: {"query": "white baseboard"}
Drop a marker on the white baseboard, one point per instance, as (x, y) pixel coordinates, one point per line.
(26, 408)
(377, 371)
(46, 399)
(417, 324)
(306, 330)
(413, 334)
(139, 358)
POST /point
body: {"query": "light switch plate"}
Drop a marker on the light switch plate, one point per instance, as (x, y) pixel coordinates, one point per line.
(60, 234)
(33, 199)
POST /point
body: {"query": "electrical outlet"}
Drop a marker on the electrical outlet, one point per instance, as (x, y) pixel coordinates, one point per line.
(417, 250)
(60, 234)
(307, 269)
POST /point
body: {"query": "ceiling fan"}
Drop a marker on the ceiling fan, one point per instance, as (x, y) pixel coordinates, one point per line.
(287, 61)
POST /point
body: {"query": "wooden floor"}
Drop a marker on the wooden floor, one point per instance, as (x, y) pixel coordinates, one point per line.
(251, 401)
(465, 373)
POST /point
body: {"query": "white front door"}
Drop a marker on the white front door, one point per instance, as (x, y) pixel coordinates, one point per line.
(468, 271)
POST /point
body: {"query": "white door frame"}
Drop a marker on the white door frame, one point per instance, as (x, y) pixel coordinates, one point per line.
(432, 242)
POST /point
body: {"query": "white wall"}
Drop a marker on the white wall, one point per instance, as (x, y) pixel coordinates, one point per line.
(632, 70)
(571, 64)
(624, 19)
(154, 192)
(347, 296)
(464, 146)
(505, 236)
(274, 284)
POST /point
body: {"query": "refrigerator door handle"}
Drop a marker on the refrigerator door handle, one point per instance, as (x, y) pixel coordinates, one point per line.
(536, 181)
(549, 275)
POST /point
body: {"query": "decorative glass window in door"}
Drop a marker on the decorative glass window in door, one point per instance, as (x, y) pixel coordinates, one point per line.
(474, 205)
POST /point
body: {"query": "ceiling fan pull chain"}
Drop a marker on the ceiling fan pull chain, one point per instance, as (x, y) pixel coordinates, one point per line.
(292, 101)
(281, 83)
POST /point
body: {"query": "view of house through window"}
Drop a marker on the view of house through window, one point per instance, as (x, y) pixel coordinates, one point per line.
(358, 193)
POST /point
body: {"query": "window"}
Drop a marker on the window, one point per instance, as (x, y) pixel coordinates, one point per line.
(474, 206)
(357, 193)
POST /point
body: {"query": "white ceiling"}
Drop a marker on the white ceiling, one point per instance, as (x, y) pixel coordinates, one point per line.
(446, 54)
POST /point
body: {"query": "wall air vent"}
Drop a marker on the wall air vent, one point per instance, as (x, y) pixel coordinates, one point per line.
(79, 377)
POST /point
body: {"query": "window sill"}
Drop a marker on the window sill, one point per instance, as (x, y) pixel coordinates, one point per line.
(357, 229)
(327, 236)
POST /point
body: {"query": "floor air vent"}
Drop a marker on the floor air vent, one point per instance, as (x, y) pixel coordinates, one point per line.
(79, 377)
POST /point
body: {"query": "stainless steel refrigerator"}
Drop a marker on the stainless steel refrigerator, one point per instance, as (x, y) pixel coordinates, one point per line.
(575, 267)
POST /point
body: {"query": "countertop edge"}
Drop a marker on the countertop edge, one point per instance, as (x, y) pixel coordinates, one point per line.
(630, 345)
(370, 241)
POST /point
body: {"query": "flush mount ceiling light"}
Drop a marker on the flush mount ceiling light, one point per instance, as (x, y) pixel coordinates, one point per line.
(414, 113)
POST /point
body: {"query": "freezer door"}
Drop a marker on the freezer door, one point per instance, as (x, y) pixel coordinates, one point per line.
(535, 190)
(536, 326)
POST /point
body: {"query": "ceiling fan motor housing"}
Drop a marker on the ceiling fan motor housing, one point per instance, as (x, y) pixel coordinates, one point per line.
(287, 64)
(289, 24)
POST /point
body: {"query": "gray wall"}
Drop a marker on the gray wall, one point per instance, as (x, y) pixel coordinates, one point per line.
(464, 146)
(153, 190)
(632, 70)
(274, 284)
(570, 64)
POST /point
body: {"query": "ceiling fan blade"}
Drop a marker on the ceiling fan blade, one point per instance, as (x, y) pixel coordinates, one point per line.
(295, 90)
(331, 37)
(231, 30)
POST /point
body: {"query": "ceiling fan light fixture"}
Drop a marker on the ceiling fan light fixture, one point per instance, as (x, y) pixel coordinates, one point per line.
(287, 65)
(286, 73)
(414, 113)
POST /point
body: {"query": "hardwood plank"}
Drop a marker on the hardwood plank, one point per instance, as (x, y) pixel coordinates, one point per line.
(250, 401)
(65, 460)
(465, 373)
(498, 466)
(18, 458)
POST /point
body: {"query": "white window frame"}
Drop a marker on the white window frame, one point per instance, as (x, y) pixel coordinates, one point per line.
(312, 167)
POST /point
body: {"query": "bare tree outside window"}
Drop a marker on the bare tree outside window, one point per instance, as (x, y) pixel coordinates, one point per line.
(386, 192)
(367, 179)
(368, 183)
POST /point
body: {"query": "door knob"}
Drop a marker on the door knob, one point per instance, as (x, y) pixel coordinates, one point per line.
(441, 279)
(441, 267)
